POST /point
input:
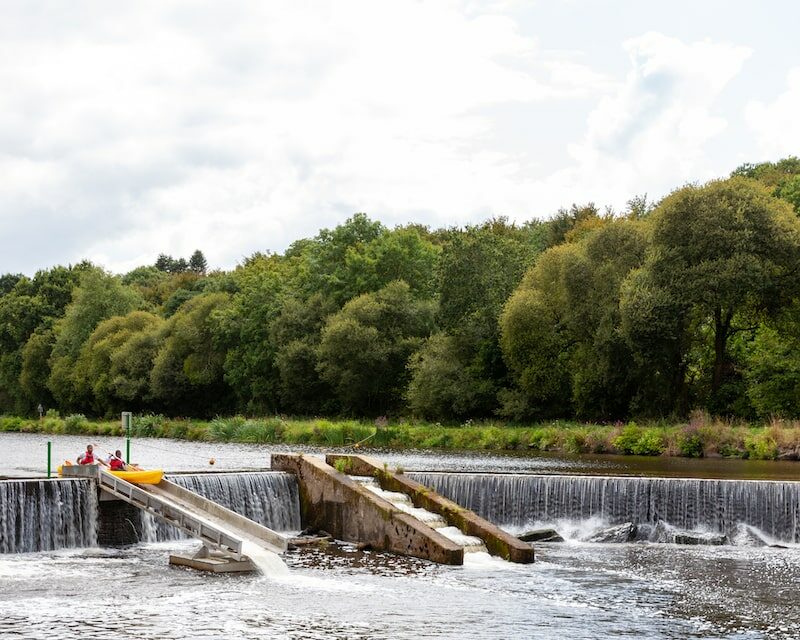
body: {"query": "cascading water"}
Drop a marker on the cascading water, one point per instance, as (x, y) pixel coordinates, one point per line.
(41, 515)
(269, 498)
(715, 505)
(435, 521)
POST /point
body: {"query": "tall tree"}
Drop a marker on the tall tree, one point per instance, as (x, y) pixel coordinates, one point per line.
(721, 254)
(99, 296)
(198, 263)
(188, 373)
(365, 348)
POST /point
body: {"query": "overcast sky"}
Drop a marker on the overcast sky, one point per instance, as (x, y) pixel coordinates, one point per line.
(131, 129)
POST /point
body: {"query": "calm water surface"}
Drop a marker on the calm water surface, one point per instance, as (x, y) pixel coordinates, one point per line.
(25, 455)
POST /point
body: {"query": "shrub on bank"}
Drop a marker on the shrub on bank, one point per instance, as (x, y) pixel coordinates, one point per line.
(148, 426)
(76, 424)
(702, 436)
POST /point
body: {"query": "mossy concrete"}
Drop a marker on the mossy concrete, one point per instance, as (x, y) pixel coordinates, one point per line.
(497, 541)
(331, 500)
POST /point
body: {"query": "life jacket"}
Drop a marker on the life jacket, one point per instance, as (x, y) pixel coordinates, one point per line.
(88, 458)
(116, 464)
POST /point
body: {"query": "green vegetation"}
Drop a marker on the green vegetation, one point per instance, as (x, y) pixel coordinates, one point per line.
(701, 436)
(638, 316)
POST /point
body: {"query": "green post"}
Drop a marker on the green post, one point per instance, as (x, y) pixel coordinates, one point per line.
(49, 451)
(126, 424)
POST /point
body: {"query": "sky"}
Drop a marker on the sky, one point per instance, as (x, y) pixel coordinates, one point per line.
(133, 129)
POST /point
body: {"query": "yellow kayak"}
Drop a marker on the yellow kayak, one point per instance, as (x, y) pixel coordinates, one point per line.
(140, 476)
(152, 476)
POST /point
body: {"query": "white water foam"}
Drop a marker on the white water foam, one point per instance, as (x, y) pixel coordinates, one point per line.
(267, 562)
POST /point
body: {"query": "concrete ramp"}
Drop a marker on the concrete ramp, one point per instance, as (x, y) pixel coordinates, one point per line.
(228, 538)
(457, 518)
(335, 502)
(339, 496)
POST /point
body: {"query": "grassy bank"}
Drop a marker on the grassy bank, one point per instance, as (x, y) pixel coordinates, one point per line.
(701, 436)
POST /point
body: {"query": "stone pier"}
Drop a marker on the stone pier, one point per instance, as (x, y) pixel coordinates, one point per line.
(332, 501)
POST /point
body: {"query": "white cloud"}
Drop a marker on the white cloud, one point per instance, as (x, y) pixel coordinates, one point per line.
(776, 123)
(130, 130)
(654, 129)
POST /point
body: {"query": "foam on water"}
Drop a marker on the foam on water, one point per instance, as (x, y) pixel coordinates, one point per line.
(268, 563)
(718, 506)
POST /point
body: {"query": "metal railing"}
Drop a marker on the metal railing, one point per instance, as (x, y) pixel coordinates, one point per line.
(171, 513)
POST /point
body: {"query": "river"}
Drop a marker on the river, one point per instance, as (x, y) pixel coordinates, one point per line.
(25, 455)
(575, 589)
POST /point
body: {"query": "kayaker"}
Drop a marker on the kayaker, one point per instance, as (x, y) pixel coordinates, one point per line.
(115, 462)
(88, 457)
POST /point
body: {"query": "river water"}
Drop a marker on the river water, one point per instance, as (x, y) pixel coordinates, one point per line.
(575, 589)
(25, 455)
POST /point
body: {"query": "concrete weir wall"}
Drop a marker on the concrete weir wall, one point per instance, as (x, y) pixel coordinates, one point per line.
(497, 541)
(118, 523)
(332, 501)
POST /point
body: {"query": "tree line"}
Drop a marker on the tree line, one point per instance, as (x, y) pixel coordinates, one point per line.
(691, 302)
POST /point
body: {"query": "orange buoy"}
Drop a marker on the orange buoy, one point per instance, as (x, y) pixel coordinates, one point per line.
(211, 461)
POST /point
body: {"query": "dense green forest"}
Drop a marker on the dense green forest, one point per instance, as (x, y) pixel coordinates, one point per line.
(692, 302)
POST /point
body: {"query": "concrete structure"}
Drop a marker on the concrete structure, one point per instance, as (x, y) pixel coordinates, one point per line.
(118, 523)
(497, 541)
(222, 531)
(332, 501)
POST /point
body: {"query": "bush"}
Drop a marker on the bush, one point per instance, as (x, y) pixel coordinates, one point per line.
(690, 443)
(544, 439)
(11, 423)
(576, 441)
(148, 426)
(225, 429)
(761, 447)
(176, 429)
(651, 443)
(626, 441)
(255, 431)
(76, 423)
(633, 440)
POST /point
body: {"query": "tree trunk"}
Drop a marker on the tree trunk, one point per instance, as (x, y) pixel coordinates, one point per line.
(722, 328)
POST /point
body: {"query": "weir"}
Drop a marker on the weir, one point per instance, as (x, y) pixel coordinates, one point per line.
(358, 500)
(269, 498)
(687, 503)
(43, 515)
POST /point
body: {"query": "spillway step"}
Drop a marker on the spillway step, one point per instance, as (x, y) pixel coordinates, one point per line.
(471, 544)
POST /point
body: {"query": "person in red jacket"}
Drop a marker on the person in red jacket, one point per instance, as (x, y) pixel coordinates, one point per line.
(88, 457)
(115, 462)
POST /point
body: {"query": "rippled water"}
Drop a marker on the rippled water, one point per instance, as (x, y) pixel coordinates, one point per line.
(25, 455)
(573, 591)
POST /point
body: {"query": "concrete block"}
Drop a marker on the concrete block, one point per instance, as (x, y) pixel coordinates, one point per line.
(497, 541)
(332, 501)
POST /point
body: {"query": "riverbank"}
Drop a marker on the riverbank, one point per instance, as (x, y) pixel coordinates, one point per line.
(702, 436)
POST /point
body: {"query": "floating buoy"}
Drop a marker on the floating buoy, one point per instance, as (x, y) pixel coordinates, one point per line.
(211, 461)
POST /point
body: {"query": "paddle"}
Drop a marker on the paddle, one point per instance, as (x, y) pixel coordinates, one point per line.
(127, 465)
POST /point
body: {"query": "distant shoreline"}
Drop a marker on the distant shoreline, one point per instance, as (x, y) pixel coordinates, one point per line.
(701, 437)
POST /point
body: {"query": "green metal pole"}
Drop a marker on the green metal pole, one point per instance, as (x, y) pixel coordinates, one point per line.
(127, 417)
(49, 451)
